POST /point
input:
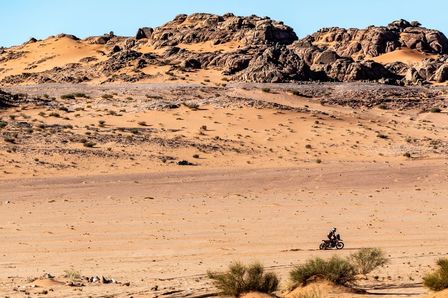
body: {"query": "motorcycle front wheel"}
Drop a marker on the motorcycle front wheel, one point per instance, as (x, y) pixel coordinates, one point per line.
(322, 246)
(340, 245)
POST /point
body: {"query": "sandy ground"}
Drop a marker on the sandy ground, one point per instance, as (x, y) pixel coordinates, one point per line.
(268, 182)
(168, 229)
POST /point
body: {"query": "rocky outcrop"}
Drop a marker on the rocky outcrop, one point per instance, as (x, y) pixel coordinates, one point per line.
(252, 49)
(7, 99)
(198, 28)
(374, 41)
(274, 65)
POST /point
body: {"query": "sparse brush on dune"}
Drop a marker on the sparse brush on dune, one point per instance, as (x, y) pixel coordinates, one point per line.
(438, 280)
(240, 279)
(336, 270)
(368, 259)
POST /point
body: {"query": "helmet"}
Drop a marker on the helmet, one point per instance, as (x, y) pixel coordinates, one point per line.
(333, 229)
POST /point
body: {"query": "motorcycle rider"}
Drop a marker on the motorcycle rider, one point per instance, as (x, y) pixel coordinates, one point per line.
(332, 236)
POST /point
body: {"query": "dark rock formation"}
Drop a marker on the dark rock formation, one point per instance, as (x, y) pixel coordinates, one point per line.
(259, 50)
(274, 65)
(198, 28)
(145, 32)
(375, 41)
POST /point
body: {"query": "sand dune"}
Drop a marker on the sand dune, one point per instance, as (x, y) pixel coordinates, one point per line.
(407, 56)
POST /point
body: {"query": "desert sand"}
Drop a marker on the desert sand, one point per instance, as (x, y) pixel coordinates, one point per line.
(267, 174)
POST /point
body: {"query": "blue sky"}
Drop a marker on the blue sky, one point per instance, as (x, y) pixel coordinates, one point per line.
(22, 19)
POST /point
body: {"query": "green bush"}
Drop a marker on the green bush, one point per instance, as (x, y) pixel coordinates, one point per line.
(68, 96)
(436, 110)
(266, 90)
(336, 270)
(73, 275)
(438, 280)
(368, 259)
(107, 96)
(74, 95)
(241, 279)
(3, 124)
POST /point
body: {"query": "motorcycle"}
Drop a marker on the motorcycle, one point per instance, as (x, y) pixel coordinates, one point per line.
(337, 243)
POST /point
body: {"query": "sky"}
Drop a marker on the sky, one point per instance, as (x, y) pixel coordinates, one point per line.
(23, 19)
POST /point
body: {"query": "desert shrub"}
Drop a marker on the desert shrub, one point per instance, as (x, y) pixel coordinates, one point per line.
(72, 275)
(382, 106)
(382, 136)
(437, 280)
(79, 94)
(68, 96)
(368, 259)
(191, 105)
(107, 96)
(74, 95)
(54, 114)
(3, 124)
(89, 144)
(9, 139)
(336, 270)
(241, 279)
(266, 90)
(436, 110)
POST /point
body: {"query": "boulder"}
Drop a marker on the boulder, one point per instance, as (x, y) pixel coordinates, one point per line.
(441, 74)
(145, 32)
(274, 65)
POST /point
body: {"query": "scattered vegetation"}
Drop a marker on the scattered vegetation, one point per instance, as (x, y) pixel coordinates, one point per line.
(438, 280)
(337, 270)
(241, 279)
(73, 275)
(266, 90)
(107, 96)
(368, 259)
(191, 105)
(89, 144)
(3, 124)
(9, 139)
(436, 110)
(74, 95)
(382, 136)
(68, 96)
